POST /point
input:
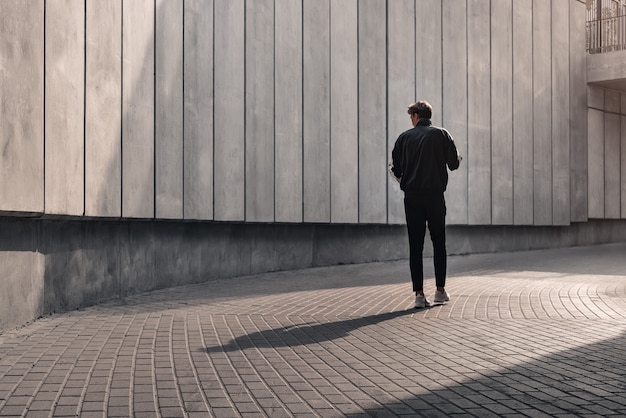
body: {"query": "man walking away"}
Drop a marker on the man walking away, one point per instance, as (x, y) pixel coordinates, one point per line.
(420, 159)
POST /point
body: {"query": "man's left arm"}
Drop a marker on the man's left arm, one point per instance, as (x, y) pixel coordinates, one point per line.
(453, 158)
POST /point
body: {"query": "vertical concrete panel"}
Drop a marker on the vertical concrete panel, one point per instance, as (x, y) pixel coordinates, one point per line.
(595, 138)
(612, 157)
(259, 114)
(103, 108)
(522, 113)
(229, 115)
(169, 109)
(345, 111)
(595, 97)
(502, 111)
(428, 56)
(198, 110)
(578, 113)
(479, 121)
(542, 112)
(22, 106)
(560, 113)
(612, 101)
(138, 109)
(455, 102)
(64, 107)
(372, 120)
(316, 109)
(401, 79)
(288, 204)
(623, 165)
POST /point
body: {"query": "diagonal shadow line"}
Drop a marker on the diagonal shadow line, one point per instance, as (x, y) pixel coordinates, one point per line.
(589, 380)
(304, 334)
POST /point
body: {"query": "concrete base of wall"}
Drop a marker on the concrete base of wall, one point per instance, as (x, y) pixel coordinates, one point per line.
(49, 266)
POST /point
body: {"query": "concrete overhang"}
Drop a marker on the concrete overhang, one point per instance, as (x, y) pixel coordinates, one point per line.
(607, 70)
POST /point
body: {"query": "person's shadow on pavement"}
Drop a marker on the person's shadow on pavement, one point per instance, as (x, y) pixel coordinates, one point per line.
(304, 334)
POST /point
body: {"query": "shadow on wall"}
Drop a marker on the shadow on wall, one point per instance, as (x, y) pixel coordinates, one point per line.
(93, 260)
(597, 261)
(89, 262)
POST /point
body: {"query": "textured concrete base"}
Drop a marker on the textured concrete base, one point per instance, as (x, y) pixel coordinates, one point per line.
(51, 265)
(21, 273)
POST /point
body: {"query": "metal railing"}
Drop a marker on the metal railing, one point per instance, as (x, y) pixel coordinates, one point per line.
(606, 25)
(606, 35)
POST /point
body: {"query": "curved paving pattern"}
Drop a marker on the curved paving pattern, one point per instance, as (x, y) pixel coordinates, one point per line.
(526, 334)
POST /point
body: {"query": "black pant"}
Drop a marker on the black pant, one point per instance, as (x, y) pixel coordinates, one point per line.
(422, 208)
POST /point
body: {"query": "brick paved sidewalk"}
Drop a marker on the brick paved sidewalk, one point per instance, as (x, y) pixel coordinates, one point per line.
(525, 334)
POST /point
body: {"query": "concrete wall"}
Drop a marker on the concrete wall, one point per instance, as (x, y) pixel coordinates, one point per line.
(56, 265)
(180, 141)
(22, 271)
(286, 111)
(607, 153)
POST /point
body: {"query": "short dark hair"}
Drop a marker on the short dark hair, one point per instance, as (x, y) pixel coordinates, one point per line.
(422, 108)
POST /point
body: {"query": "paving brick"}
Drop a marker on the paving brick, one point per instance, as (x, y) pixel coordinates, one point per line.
(12, 411)
(19, 401)
(172, 413)
(169, 402)
(37, 414)
(196, 407)
(193, 414)
(220, 403)
(65, 411)
(41, 405)
(225, 413)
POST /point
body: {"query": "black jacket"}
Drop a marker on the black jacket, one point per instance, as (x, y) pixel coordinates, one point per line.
(420, 157)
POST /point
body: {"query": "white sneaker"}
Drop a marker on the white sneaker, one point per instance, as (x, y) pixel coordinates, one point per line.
(441, 297)
(421, 302)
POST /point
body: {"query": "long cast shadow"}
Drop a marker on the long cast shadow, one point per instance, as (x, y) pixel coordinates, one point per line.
(304, 334)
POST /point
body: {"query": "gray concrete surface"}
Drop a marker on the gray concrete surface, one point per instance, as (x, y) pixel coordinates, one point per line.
(289, 110)
(51, 266)
(22, 117)
(607, 70)
(103, 101)
(539, 333)
(64, 108)
(56, 265)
